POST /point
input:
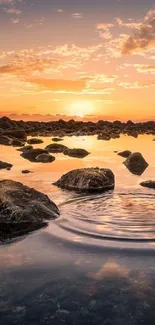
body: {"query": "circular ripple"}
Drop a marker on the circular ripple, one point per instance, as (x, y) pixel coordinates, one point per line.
(120, 216)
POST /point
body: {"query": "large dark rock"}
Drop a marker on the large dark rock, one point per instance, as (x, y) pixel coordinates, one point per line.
(56, 148)
(136, 163)
(45, 158)
(125, 153)
(16, 133)
(77, 153)
(5, 165)
(6, 123)
(34, 141)
(32, 154)
(149, 184)
(87, 179)
(23, 209)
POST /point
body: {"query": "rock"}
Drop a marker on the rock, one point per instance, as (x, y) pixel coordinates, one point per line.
(25, 148)
(6, 123)
(4, 140)
(17, 143)
(125, 153)
(5, 165)
(149, 184)
(87, 179)
(56, 148)
(16, 133)
(32, 154)
(34, 141)
(57, 139)
(136, 164)
(45, 158)
(23, 209)
(26, 171)
(77, 153)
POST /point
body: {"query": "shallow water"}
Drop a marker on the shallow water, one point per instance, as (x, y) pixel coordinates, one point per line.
(95, 264)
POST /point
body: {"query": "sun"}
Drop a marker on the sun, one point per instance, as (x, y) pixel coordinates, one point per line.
(80, 108)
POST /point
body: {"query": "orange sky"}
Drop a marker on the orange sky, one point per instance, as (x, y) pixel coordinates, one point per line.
(78, 59)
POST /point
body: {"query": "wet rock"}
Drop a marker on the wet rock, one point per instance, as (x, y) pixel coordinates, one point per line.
(34, 141)
(125, 153)
(6, 123)
(57, 139)
(25, 148)
(45, 158)
(56, 148)
(87, 179)
(5, 165)
(136, 163)
(17, 143)
(23, 209)
(149, 184)
(77, 153)
(16, 133)
(26, 171)
(4, 140)
(32, 154)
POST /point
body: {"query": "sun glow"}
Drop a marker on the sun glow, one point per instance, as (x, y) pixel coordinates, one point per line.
(80, 108)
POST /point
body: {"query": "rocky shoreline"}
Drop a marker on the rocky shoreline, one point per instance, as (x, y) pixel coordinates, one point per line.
(104, 129)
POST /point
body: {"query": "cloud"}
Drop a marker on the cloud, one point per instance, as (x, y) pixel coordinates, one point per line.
(15, 21)
(143, 37)
(60, 84)
(59, 10)
(77, 15)
(104, 30)
(137, 85)
(13, 11)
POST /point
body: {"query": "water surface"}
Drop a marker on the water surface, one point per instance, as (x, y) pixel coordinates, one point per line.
(95, 264)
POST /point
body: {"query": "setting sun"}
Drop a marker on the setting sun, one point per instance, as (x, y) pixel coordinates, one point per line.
(81, 108)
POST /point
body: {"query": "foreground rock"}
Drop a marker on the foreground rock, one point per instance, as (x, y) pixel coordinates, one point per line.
(87, 179)
(34, 141)
(5, 165)
(136, 163)
(125, 153)
(77, 153)
(32, 154)
(23, 209)
(56, 148)
(149, 184)
(45, 158)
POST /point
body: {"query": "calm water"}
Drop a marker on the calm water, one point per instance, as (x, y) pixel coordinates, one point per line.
(95, 264)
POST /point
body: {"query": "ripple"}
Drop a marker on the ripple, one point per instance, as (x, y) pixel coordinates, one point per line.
(114, 216)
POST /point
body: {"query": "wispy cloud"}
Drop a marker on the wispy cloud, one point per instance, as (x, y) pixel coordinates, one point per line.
(77, 15)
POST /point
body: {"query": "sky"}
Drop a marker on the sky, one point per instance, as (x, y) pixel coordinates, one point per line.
(87, 58)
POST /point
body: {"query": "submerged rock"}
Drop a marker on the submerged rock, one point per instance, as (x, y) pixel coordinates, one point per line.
(35, 141)
(45, 158)
(23, 209)
(125, 153)
(5, 165)
(136, 163)
(25, 148)
(77, 153)
(149, 184)
(57, 139)
(32, 154)
(56, 148)
(87, 179)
